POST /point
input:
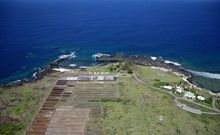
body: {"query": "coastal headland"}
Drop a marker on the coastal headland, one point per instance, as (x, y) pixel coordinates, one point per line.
(115, 97)
(158, 62)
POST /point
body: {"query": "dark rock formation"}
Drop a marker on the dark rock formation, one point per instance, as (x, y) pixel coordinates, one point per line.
(145, 61)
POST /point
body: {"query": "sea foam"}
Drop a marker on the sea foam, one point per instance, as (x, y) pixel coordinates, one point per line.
(171, 62)
(97, 55)
(206, 74)
(153, 58)
(66, 56)
(72, 65)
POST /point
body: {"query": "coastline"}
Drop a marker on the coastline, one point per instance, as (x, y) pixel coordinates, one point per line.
(156, 62)
(40, 73)
(150, 61)
(186, 79)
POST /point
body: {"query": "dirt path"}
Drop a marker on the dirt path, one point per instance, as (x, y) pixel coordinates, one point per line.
(213, 105)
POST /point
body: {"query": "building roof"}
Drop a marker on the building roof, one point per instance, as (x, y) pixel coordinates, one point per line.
(179, 89)
(200, 98)
(168, 87)
(100, 78)
(72, 78)
(189, 94)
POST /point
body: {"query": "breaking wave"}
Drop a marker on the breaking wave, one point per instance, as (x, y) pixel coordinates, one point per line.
(72, 65)
(206, 74)
(97, 55)
(171, 62)
(67, 56)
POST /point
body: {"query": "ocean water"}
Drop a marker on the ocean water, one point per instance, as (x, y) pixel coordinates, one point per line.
(33, 33)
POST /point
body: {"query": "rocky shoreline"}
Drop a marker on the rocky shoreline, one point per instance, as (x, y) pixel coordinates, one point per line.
(146, 61)
(150, 62)
(157, 62)
(40, 73)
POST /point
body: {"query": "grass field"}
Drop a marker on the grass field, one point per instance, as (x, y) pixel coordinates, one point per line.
(125, 107)
(195, 106)
(21, 104)
(142, 111)
(217, 104)
(152, 76)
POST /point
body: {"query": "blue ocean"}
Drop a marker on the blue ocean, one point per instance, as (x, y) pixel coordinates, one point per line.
(35, 32)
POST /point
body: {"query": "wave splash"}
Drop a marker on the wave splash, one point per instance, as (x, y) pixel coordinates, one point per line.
(68, 56)
(171, 62)
(206, 74)
(97, 55)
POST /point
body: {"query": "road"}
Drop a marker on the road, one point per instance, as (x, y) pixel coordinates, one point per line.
(183, 106)
(213, 104)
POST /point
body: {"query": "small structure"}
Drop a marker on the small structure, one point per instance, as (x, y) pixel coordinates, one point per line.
(200, 98)
(106, 78)
(189, 95)
(168, 87)
(101, 73)
(85, 78)
(83, 67)
(179, 89)
(72, 78)
(100, 78)
(109, 78)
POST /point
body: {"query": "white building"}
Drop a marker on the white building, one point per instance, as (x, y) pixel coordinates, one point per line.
(71, 78)
(100, 78)
(168, 87)
(179, 89)
(200, 98)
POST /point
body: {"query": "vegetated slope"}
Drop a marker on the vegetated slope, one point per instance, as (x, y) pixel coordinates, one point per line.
(142, 111)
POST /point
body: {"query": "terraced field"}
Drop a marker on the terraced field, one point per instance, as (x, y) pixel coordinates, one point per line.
(70, 105)
(91, 91)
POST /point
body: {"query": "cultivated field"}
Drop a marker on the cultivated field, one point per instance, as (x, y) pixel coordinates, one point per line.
(122, 107)
(70, 105)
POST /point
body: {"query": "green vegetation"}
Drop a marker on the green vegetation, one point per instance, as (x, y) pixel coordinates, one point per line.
(217, 104)
(208, 100)
(195, 106)
(19, 105)
(144, 111)
(10, 129)
(158, 83)
(138, 111)
(156, 77)
(126, 67)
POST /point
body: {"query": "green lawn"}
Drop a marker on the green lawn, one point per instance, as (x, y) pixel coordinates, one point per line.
(153, 76)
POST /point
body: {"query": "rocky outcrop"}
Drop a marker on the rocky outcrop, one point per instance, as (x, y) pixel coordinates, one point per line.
(145, 61)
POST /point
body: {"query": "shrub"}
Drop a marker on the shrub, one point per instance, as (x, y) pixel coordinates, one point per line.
(208, 100)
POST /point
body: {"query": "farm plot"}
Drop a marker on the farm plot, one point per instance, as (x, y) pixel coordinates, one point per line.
(68, 120)
(95, 91)
(70, 106)
(39, 125)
